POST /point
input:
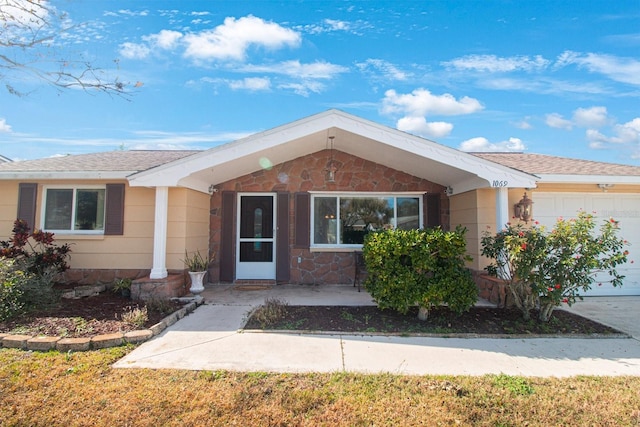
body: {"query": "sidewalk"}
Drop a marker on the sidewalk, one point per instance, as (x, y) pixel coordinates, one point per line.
(209, 339)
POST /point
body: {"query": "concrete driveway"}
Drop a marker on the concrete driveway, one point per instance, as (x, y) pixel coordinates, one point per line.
(210, 339)
(621, 313)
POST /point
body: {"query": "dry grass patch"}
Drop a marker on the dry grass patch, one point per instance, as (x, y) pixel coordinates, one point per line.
(42, 389)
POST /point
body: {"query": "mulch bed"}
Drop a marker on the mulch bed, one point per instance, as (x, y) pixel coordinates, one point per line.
(478, 320)
(85, 317)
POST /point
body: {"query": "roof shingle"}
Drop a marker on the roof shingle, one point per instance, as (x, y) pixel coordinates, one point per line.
(540, 164)
(134, 161)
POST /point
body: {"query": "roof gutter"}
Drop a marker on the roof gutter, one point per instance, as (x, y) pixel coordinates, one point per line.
(589, 179)
(68, 175)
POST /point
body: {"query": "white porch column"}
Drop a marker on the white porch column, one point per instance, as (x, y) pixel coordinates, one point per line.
(502, 218)
(502, 208)
(159, 269)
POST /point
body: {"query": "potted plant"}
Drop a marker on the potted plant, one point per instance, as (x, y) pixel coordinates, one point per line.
(123, 286)
(197, 267)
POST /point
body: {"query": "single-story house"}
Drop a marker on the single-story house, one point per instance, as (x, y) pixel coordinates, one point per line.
(292, 204)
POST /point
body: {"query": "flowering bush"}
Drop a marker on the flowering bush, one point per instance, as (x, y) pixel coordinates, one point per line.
(545, 269)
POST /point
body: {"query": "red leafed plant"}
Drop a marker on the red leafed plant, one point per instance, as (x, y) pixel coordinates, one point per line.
(36, 251)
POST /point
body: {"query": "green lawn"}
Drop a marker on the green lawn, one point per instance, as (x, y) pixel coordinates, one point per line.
(45, 389)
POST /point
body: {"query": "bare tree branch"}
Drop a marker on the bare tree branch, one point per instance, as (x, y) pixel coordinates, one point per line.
(29, 36)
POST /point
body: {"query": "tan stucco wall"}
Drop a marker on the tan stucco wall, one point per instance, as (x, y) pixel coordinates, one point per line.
(187, 228)
(8, 207)
(187, 225)
(476, 210)
(478, 221)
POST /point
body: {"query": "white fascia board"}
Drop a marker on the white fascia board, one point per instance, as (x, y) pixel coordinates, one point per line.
(69, 175)
(589, 179)
(172, 173)
(491, 172)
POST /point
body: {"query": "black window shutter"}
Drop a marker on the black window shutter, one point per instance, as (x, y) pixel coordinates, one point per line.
(302, 220)
(282, 239)
(226, 255)
(432, 210)
(27, 193)
(114, 212)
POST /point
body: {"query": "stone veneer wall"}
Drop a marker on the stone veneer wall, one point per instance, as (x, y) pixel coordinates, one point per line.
(492, 289)
(308, 174)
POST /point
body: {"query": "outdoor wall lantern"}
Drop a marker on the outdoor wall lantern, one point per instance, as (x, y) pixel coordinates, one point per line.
(523, 209)
(331, 168)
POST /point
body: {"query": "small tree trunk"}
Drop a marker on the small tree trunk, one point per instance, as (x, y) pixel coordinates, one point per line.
(546, 310)
(423, 313)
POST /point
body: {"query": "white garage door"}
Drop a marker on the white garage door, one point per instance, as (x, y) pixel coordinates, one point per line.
(622, 207)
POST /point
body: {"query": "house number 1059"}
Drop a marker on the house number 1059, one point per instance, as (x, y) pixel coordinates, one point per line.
(496, 183)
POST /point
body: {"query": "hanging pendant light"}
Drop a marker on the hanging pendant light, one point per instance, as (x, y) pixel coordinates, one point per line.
(331, 168)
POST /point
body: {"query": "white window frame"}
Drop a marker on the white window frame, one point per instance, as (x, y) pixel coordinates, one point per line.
(75, 189)
(338, 195)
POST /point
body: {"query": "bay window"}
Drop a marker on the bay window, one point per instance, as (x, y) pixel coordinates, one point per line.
(344, 220)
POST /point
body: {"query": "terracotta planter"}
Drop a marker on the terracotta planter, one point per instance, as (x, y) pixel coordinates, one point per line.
(197, 278)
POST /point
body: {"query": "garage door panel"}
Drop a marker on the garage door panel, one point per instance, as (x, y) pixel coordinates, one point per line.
(625, 208)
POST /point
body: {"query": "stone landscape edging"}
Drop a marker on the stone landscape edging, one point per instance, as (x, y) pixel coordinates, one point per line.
(618, 335)
(47, 343)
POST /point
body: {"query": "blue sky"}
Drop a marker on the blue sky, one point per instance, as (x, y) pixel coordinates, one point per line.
(550, 77)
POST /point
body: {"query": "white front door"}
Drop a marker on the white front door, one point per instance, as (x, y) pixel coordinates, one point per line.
(255, 257)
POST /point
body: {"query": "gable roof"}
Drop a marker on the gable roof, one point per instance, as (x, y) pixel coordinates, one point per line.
(4, 159)
(353, 135)
(106, 165)
(566, 170)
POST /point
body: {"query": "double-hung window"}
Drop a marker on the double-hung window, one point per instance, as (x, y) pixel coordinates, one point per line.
(74, 209)
(344, 220)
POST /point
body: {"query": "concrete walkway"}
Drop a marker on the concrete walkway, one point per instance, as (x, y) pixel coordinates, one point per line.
(209, 339)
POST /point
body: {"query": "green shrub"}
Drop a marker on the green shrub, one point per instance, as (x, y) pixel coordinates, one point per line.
(419, 267)
(36, 261)
(11, 303)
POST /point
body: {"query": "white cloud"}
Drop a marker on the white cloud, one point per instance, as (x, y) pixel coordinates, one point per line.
(495, 64)
(626, 133)
(128, 12)
(593, 117)
(421, 102)
(303, 88)
(165, 39)
(523, 124)
(253, 84)
(4, 127)
(420, 126)
(134, 50)
(481, 144)
(231, 40)
(555, 120)
(337, 25)
(387, 70)
(331, 25)
(625, 70)
(314, 70)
